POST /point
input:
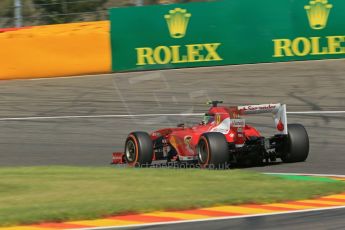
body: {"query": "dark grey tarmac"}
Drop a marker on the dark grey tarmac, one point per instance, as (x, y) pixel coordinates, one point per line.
(303, 86)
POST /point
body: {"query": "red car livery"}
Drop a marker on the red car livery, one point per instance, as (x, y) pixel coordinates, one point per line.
(222, 138)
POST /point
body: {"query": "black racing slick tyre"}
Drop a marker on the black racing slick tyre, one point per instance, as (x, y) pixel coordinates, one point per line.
(138, 149)
(213, 151)
(297, 144)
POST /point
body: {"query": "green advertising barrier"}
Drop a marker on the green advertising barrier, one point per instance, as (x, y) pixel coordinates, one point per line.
(226, 32)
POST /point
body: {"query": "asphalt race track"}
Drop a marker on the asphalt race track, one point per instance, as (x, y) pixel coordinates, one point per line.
(303, 86)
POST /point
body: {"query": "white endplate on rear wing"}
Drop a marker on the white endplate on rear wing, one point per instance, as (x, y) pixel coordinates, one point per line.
(278, 111)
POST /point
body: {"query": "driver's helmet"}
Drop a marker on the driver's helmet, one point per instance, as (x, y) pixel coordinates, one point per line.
(208, 118)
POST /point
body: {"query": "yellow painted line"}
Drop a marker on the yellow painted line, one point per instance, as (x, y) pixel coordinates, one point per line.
(184, 216)
(323, 202)
(104, 222)
(336, 196)
(239, 209)
(337, 178)
(26, 228)
(292, 206)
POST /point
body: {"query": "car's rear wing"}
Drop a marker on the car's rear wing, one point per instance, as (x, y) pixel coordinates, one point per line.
(278, 111)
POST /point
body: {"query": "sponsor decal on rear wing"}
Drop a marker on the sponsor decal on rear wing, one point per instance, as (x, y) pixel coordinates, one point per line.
(278, 111)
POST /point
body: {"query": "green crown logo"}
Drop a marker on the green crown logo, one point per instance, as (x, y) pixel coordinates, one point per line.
(178, 20)
(318, 12)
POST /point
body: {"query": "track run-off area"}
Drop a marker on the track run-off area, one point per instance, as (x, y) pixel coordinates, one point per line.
(244, 216)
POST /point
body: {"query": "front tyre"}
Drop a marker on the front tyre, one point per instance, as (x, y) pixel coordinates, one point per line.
(138, 149)
(296, 148)
(213, 150)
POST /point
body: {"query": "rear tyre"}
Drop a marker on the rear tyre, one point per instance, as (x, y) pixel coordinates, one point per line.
(296, 148)
(213, 151)
(138, 149)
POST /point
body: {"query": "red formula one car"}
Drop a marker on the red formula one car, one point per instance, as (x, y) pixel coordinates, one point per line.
(222, 138)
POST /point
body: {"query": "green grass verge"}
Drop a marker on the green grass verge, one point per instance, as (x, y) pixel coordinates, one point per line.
(36, 194)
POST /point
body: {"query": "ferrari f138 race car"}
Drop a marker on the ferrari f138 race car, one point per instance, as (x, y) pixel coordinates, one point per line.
(222, 138)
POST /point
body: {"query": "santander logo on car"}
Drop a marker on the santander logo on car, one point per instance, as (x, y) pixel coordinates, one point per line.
(264, 107)
(260, 108)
